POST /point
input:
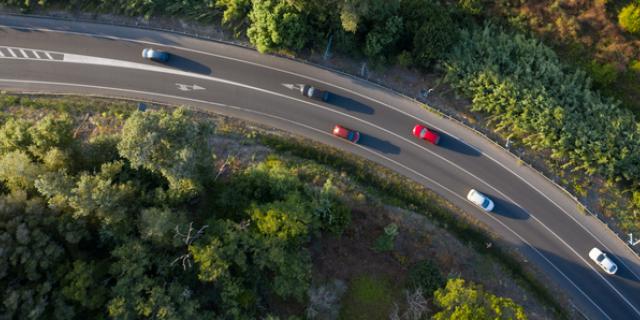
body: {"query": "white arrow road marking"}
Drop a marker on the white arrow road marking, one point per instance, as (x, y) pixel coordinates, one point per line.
(186, 87)
(291, 86)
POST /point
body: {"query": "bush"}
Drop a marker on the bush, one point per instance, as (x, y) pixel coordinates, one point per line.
(603, 74)
(461, 300)
(426, 276)
(324, 301)
(629, 18)
(386, 241)
(367, 298)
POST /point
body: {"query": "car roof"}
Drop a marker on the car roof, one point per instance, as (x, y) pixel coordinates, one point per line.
(340, 130)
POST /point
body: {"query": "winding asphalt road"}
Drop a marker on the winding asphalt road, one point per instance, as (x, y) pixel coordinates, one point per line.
(531, 214)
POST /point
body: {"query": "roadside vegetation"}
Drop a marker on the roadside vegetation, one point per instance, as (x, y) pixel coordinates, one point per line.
(549, 77)
(110, 213)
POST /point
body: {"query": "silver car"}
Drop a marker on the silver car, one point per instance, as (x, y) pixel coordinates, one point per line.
(603, 261)
(156, 55)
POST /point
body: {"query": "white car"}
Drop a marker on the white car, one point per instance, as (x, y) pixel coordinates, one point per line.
(603, 261)
(480, 200)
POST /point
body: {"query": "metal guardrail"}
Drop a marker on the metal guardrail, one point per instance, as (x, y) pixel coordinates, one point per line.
(380, 85)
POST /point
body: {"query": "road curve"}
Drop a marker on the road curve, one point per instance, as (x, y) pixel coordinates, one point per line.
(531, 214)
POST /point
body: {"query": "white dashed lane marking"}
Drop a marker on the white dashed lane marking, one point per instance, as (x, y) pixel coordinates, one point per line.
(23, 53)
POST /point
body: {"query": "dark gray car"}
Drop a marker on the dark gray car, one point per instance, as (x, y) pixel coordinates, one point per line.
(314, 93)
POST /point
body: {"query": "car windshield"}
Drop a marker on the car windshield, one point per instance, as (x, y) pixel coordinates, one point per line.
(423, 132)
(350, 135)
(600, 258)
(485, 203)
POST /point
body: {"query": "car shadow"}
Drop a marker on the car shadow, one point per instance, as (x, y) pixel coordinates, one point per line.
(349, 104)
(188, 65)
(622, 264)
(508, 209)
(456, 145)
(383, 146)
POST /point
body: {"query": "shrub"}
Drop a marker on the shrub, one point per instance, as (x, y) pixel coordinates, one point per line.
(324, 301)
(461, 300)
(367, 298)
(603, 74)
(386, 241)
(426, 276)
(334, 216)
(629, 18)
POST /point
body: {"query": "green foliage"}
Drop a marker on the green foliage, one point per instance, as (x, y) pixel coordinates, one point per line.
(99, 150)
(466, 301)
(173, 145)
(603, 75)
(358, 15)
(18, 171)
(79, 285)
(334, 216)
(15, 135)
(382, 38)
(530, 95)
(386, 242)
(265, 182)
(473, 7)
(277, 25)
(158, 224)
(434, 37)
(51, 132)
(33, 254)
(285, 220)
(137, 293)
(234, 10)
(426, 276)
(629, 18)
(367, 298)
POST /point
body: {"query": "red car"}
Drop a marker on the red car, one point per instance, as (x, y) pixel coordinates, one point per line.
(342, 132)
(425, 133)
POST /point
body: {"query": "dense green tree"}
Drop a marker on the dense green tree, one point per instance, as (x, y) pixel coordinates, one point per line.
(51, 132)
(81, 284)
(381, 40)
(144, 288)
(287, 220)
(361, 15)
(158, 224)
(15, 135)
(234, 10)
(18, 171)
(172, 145)
(465, 301)
(436, 34)
(32, 258)
(277, 25)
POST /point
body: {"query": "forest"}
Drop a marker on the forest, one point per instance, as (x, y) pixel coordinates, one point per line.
(140, 217)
